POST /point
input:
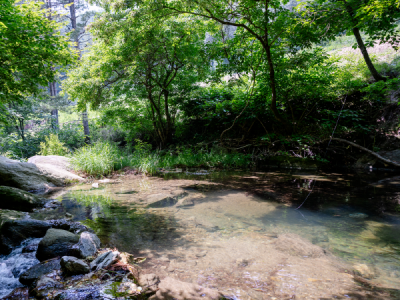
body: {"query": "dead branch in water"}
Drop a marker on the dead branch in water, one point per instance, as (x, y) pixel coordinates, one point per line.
(385, 160)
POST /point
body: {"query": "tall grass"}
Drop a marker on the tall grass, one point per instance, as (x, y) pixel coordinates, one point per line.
(150, 162)
(104, 158)
(96, 160)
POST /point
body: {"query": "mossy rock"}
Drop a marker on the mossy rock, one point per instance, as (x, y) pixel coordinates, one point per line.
(10, 215)
(16, 199)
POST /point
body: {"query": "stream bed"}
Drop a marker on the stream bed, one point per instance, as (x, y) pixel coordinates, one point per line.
(244, 233)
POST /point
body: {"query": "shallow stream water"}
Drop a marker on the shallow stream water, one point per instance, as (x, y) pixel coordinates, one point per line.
(223, 230)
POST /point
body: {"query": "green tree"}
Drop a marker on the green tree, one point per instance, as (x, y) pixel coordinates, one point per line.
(30, 47)
(135, 59)
(376, 18)
(268, 22)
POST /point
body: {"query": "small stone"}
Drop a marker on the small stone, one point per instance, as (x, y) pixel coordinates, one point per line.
(74, 266)
(170, 269)
(128, 288)
(242, 262)
(365, 271)
(68, 215)
(95, 185)
(201, 254)
(164, 259)
(89, 244)
(104, 260)
(44, 286)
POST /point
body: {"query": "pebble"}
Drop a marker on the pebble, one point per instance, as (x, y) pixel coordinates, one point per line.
(201, 254)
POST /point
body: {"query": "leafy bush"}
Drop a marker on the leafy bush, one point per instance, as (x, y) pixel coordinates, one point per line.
(96, 160)
(53, 146)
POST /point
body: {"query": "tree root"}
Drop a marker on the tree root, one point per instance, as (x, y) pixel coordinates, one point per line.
(385, 160)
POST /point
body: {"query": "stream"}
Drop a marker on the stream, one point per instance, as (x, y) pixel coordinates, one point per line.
(241, 232)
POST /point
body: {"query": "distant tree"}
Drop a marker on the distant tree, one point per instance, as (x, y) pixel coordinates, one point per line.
(376, 18)
(30, 47)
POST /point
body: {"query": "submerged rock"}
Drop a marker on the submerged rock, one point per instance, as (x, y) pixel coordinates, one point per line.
(358, 216)
(170, 288)
(16, 199)
(365, 271)
(57, 242)
(149, 282)
(12, 233)
(74, 266)
(88, 244)
(104, 260)
(295, 245)
(30, 276)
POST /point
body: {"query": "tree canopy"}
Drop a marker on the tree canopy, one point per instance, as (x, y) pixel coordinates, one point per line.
(31, 50)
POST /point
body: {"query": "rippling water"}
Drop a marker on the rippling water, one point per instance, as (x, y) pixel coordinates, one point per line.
(221, 229)
(13, 265)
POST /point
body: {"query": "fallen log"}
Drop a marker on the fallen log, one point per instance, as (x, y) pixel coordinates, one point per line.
(381, 158)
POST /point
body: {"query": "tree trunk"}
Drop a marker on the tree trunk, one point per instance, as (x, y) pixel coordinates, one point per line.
(364, 52)
(168, 130)
(54, 112)
(86, 130)
(52, 85)
(361, 45)
(85, 123)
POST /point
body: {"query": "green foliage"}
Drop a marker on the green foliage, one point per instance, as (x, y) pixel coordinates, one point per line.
(96, 160)
(30, 46)
(53, 146)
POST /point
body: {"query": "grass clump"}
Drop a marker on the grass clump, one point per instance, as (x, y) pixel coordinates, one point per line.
(96, 160)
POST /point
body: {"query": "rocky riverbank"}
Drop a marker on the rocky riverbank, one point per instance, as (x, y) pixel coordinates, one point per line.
(59, 259)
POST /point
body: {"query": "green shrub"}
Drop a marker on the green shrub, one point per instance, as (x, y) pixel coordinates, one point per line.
(96, 160)
(53, 146)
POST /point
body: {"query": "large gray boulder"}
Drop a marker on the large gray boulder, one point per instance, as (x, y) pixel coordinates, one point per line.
(12, 233)
(74, 266)
(16, 199)
(55, 167)
(30, 276)
(88, 244)
(39, 173)
(25, 176)
(57, 242)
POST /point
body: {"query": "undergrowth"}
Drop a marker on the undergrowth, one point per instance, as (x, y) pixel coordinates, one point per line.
(103, 158)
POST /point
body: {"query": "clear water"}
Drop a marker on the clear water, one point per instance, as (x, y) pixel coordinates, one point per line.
(13, 265)
(220, 229)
